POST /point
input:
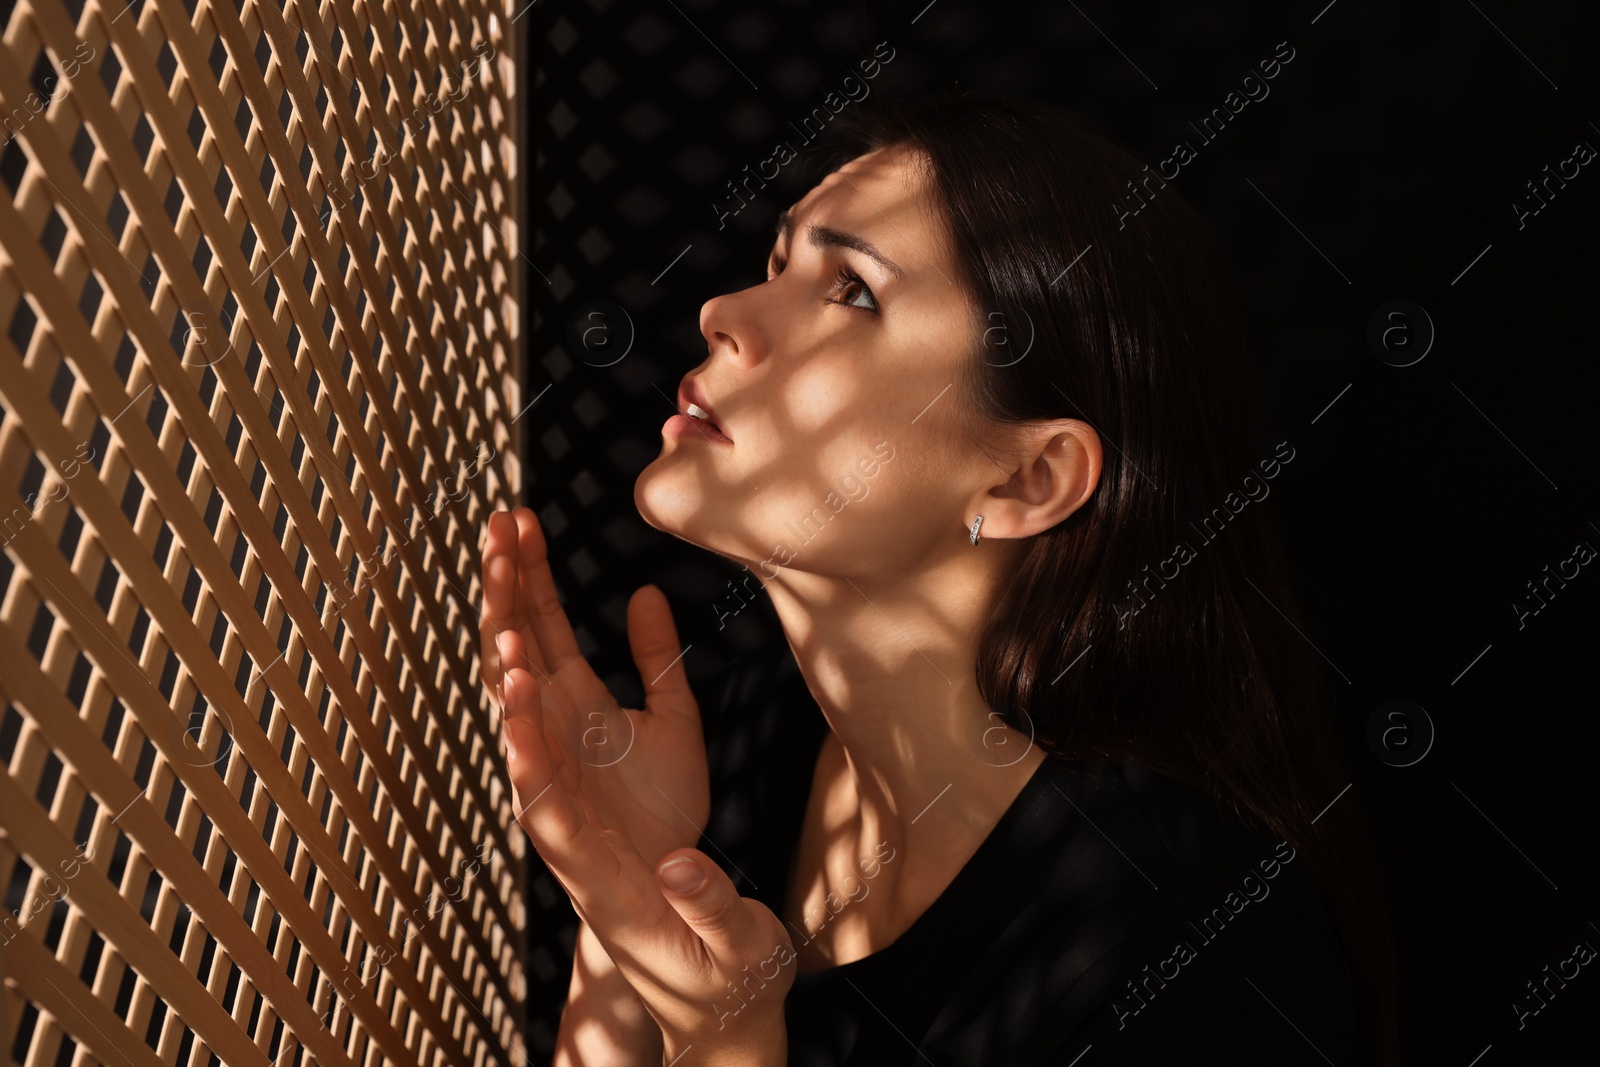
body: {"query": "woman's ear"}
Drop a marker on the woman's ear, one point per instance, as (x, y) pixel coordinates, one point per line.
(1057, 468)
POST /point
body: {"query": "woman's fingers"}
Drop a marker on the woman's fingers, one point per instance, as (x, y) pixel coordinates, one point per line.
(513, 651)
(565, 839)
(656, 652)
(499, 591)
(537, 592)
(500, 567)
(501, 610)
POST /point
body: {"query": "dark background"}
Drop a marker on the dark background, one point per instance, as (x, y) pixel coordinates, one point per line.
(1422, 498)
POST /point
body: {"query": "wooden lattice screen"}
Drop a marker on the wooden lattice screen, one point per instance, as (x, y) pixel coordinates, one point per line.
(259, 278)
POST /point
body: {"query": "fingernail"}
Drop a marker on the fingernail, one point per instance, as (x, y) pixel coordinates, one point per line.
(512, 726)
(506, 685)
(682, 875)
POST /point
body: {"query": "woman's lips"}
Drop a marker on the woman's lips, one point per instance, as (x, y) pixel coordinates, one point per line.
(696, 408)
(691, 427)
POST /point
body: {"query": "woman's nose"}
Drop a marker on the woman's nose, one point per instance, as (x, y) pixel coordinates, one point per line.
(732, 328)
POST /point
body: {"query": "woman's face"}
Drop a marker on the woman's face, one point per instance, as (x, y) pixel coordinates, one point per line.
(832, 386)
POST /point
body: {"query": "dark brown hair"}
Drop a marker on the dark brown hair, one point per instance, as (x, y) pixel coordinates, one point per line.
(1069, 244)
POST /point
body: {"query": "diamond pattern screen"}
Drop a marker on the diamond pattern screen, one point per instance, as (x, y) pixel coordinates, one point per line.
(259, 380)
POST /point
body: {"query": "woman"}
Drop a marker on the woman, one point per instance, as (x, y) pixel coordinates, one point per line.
(985, 434)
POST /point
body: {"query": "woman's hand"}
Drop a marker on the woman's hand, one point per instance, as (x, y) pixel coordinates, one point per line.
(606, 794)
(710, 967)
(642, 773)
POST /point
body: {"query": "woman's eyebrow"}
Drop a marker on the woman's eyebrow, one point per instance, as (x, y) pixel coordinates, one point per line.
(824, 237)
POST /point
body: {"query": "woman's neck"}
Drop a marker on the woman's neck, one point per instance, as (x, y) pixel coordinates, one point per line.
(925, 766)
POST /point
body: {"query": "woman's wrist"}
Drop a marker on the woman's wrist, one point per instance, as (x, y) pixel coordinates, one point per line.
(761, 1041)
(604, 1024)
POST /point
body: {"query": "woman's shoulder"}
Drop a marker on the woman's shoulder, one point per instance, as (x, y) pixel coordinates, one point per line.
(1115, 913)
(1125, 835)
(1147, 913)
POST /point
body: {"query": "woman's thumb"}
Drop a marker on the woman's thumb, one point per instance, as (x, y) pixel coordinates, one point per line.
(705, 897)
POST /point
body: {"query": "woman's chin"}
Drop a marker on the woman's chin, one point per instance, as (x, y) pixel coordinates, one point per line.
(665, 499)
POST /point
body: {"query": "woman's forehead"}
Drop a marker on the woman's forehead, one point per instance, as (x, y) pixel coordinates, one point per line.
(883, 198)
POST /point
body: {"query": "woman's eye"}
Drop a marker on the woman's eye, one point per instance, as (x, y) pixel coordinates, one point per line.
(848, 288)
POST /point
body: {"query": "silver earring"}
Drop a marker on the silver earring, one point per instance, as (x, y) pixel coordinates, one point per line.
(973, 534)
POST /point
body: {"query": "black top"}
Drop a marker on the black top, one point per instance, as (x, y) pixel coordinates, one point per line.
(1113, 916)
